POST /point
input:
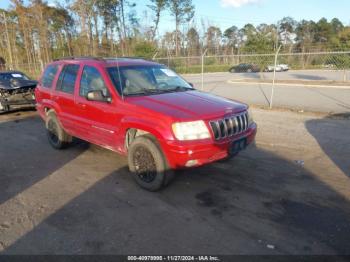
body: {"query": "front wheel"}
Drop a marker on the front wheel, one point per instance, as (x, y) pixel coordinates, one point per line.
(148, 165)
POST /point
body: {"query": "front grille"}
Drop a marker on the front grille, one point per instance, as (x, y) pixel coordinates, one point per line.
(229, 126)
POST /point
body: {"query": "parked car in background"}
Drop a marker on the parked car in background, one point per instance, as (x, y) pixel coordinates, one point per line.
(284, 67)
(16, 90)
(271, 68)
(143, 110)
(279, 68)
(329, 66)
(245, 68)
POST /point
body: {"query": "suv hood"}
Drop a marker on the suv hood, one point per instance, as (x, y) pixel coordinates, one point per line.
(188, 105)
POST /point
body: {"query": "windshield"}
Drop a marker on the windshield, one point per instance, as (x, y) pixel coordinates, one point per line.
(146, 80)
(13, 76)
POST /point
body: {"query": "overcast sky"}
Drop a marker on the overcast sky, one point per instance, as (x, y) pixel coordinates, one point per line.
(225, 13)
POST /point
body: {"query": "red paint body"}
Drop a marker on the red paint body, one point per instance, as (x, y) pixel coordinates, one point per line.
(106, 124)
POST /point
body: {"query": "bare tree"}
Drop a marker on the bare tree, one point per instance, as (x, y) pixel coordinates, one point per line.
(9, 45)
(157, 6)
(182, 11)
(193, 42)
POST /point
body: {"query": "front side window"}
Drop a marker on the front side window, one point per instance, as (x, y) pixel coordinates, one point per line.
(142, 80)
(91, 80)
(67, 78)
(49, 76)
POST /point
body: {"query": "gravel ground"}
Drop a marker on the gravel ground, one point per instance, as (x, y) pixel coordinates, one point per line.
(287, 194)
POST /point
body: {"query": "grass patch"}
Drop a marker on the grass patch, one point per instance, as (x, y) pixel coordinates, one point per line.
(196, 69)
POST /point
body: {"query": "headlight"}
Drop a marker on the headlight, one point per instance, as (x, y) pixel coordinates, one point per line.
(191, 130)
(250, 117)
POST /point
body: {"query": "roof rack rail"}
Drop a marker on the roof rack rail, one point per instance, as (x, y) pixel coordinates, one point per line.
(79, 58)
(97, 58)
(124, 57)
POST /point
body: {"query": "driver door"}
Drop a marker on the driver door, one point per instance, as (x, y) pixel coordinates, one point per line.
(98, 119)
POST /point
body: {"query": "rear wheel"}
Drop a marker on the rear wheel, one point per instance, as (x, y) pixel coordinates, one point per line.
(148, 165)
(58, 138)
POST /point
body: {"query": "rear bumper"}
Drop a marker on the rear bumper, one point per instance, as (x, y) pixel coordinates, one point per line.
(198, 153)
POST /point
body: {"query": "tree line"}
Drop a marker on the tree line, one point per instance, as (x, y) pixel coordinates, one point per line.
(37, 32)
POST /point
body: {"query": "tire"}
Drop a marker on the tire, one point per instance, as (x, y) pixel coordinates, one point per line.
(58, 138)
(148, 165)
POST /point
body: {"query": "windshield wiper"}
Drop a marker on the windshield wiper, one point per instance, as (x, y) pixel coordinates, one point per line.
(145, 92)
(181, 88)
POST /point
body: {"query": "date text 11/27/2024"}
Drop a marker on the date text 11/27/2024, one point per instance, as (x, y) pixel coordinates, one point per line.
(173, 258)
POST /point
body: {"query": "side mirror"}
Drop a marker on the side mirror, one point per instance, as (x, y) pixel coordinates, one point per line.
(191, 84)
(97, 95)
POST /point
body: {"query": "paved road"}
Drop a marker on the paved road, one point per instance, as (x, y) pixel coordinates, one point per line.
(319, 99)
(83, 201)
(316, 75)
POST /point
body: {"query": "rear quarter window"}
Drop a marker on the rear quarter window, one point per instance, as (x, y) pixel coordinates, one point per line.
(49, 75)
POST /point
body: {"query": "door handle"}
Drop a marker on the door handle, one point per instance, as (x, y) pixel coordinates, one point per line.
(81, 105)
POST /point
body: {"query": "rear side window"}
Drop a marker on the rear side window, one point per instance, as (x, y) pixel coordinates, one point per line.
(49, 76)
(66, 80)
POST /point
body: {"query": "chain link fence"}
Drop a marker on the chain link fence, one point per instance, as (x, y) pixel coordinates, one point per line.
(252, 78)
(339, 62)
(261, 63)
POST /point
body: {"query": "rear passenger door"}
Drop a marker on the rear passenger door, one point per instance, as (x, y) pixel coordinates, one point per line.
(97, 119)
(64, 97)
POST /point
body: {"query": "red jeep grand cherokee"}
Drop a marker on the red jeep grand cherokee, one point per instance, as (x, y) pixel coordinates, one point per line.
(143, 110)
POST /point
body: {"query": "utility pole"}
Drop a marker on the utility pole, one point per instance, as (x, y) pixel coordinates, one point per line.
(203, 55)
(274, 76)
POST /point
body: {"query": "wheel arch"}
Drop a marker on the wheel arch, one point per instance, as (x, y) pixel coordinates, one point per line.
(131, 133)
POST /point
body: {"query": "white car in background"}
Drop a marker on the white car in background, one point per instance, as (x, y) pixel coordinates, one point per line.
(279, 68)
(284, 67)
(271, 68)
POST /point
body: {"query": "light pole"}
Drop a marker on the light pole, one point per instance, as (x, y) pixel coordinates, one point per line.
(203, 55)
(274, 76)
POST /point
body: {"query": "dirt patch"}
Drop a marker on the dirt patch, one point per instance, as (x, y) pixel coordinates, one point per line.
(212, 199)
(292, 110)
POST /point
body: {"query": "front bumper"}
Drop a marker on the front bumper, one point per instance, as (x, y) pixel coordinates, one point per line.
(17, 97)
(197, 153)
